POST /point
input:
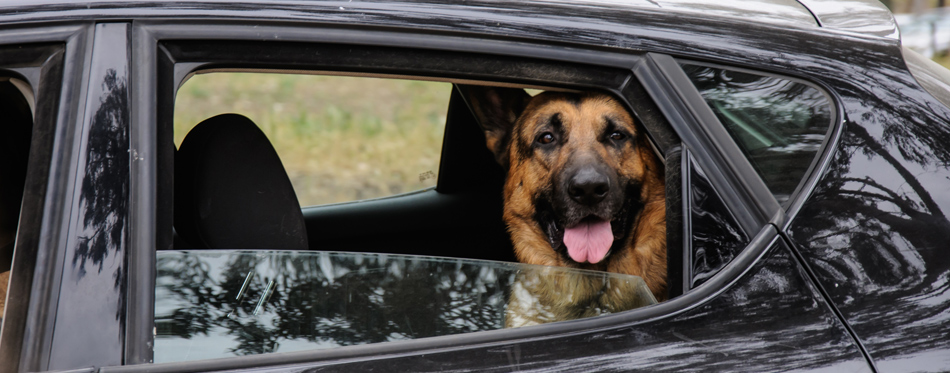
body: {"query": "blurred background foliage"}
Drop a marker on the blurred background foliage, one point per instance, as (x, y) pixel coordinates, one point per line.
(912, 6)
(925, 26)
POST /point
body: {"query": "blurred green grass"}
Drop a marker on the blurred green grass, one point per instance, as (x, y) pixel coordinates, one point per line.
(943, 60)
(340, 138)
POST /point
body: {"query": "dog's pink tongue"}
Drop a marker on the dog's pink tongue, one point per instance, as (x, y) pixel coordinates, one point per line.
(589, 241)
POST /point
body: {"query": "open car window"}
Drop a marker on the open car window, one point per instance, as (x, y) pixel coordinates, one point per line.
(224, 291)
(340, 139)
(239, 136)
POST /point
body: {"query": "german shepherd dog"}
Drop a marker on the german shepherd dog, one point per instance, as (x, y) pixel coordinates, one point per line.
(584, 188)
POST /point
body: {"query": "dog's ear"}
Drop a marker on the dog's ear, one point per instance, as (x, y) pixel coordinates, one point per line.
(496, 109)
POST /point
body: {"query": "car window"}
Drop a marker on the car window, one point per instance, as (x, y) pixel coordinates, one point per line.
(715, 237)
(339, 138)
(212, 304)
(371, 271)
(218, 303)
(15, 134)
(778, 123)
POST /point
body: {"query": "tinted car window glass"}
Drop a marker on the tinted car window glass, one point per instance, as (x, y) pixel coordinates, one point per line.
(213, 304)
(778, 123)
(340, 139)
(715, 237)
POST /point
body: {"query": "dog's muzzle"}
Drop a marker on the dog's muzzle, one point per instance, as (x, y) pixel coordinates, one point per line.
(585, 203)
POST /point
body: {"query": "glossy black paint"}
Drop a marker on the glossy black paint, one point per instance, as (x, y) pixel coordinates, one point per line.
(876, 231)
(90, 311)
(873, 234)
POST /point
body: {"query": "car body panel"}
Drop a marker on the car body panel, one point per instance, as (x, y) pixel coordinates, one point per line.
(786, 12)
(875, 231)
(859, 284)
(96, 242)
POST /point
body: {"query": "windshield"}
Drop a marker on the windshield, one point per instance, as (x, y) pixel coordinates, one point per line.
(211, 304)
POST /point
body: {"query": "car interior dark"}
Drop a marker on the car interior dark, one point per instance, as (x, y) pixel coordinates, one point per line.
(15, 134)
(226, 168)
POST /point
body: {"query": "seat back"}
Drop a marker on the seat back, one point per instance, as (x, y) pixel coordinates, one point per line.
(231, 190)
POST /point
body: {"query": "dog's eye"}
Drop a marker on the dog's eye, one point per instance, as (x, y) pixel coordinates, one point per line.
(617, 136)
(545, 138)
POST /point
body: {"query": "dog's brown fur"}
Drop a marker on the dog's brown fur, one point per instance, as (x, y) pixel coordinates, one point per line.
(512, 121)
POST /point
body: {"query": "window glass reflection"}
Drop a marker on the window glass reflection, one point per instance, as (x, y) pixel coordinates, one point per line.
(716, 237)
(212, 304)
(778, 123)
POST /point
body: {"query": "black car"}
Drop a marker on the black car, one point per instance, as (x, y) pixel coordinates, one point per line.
(807, 169)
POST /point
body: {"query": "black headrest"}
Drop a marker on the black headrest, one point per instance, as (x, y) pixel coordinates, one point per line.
(231, 191)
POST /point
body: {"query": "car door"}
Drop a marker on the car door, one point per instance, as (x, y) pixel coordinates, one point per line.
(755, 309)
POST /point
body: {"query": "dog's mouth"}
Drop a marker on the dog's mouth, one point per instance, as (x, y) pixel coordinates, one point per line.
(590, 238)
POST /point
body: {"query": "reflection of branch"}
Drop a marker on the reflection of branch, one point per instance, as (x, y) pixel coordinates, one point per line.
(832, 234)
(867, 181)
(877, 148)
(98, 230)
(876, 196)
(899, 202)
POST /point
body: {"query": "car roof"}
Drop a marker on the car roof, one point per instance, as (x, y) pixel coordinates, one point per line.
(866, 17)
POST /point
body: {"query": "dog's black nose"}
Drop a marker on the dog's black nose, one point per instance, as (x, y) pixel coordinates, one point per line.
(588, 186)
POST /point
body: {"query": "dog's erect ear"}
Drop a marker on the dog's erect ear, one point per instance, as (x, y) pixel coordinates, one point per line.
(496, 109)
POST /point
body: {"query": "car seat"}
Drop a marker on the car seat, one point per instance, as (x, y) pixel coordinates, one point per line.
(232, 192)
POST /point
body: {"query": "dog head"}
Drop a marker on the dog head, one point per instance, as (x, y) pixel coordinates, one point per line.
(579, 173)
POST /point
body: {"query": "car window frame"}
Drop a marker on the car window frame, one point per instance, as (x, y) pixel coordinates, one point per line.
(40, 59)
(820, 162)
(738, 184)
(153, 68)
(830, 137)
(678, 81)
